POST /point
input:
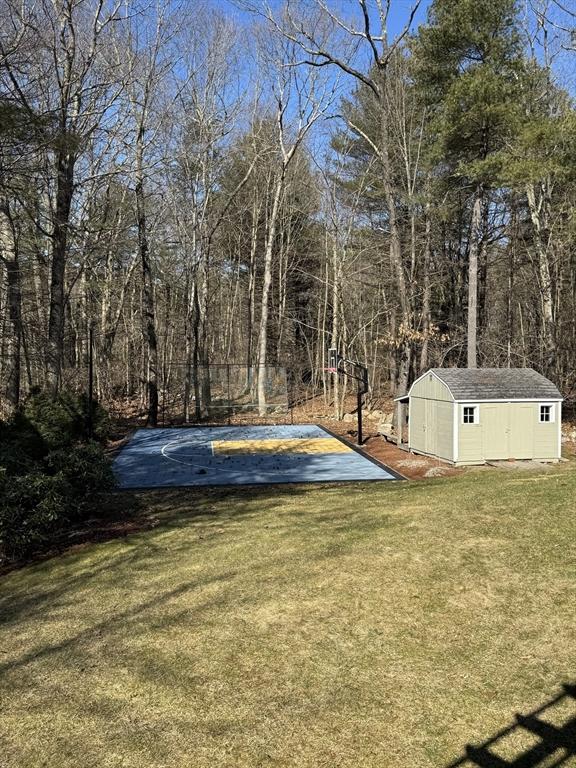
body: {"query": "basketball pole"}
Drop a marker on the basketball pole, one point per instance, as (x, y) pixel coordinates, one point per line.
(361, 377)
(90, 420)
(359, 412)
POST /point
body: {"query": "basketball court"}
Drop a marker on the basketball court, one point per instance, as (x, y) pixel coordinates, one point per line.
(241, 455)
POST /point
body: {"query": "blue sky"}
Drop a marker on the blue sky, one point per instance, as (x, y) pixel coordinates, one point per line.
(564, 62)
(400, 10)
(346, 9)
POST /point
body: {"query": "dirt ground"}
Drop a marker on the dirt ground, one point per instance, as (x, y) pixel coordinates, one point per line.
(410, 465)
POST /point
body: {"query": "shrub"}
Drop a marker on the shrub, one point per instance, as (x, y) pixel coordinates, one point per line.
(101, 424)
(49, 478)
(56, 420)
(32, 508)
(21, 447)
(87, 471)
(62, 420)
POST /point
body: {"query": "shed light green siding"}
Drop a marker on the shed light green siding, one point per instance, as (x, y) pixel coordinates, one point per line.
(504, 429)
(445, 430)
(431, 388)
(494, 431)
(469, 440)
(507, 431)
(431, 418)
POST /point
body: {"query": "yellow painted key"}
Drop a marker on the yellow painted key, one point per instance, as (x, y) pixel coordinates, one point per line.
(287, 445)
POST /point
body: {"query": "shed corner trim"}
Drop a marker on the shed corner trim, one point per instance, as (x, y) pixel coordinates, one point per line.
(455, 415)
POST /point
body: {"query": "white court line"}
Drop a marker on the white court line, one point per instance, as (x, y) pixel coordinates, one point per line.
(207, 467)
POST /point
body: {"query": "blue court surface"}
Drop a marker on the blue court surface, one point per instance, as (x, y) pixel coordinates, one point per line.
(241, 455)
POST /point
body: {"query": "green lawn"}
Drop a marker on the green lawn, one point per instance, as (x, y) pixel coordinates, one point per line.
(363, 625)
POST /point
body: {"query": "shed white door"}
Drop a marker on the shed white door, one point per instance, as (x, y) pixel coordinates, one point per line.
(494, 421)
(417, 424)
(522, 420)
(430, 427)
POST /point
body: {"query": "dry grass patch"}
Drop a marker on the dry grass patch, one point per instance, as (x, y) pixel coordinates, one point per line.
(363, 625)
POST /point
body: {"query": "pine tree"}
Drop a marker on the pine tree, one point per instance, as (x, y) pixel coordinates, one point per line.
(468, 67)
(540, 166)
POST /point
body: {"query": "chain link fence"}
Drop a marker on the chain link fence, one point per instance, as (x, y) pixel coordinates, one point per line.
(226, 391)
(219, 393)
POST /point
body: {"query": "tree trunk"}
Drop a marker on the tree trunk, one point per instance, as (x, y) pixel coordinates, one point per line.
(206, 391)
(474, 249)
(188, 341)
(251, 297)
(335, 330)
(322, 325)
(109, 316)
(148, 308)
(64, 191)
(263, 331)
(512, 241)
(405, 347)
(12, 350)
(426, 315)
(282, 290)
(545, 280)
(196, 349)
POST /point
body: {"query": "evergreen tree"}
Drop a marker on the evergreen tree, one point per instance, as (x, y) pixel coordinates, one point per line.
(540, 167)
(468, 66)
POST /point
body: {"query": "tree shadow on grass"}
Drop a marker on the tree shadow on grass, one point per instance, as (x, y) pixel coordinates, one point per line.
(120, 619)
(46, 594)
(140, 617)
(142, 560)
(116, 519)
(125, 515)
(550, 736)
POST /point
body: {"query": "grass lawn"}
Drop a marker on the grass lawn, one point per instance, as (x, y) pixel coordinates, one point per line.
(364, 625)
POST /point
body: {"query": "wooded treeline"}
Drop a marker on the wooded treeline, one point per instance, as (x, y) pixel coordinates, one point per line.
(206, 184)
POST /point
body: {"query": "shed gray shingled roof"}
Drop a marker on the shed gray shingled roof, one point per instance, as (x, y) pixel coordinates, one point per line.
(497, 384)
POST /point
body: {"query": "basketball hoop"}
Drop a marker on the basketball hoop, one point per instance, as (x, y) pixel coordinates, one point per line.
(333, 358)
(350, 369)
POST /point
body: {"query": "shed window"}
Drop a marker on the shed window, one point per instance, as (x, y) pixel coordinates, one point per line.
(546, 413)
(470, 414)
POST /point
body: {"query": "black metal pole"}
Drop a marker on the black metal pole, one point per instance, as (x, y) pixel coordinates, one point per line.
(359, 404)
(229, 409)
(290, 377)
(361, 377)
(90, 424)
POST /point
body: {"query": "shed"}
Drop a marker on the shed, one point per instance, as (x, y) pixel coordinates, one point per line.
(475, 415)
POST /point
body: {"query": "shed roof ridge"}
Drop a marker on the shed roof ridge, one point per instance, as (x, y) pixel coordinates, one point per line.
(494, 383)
(487, 368)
